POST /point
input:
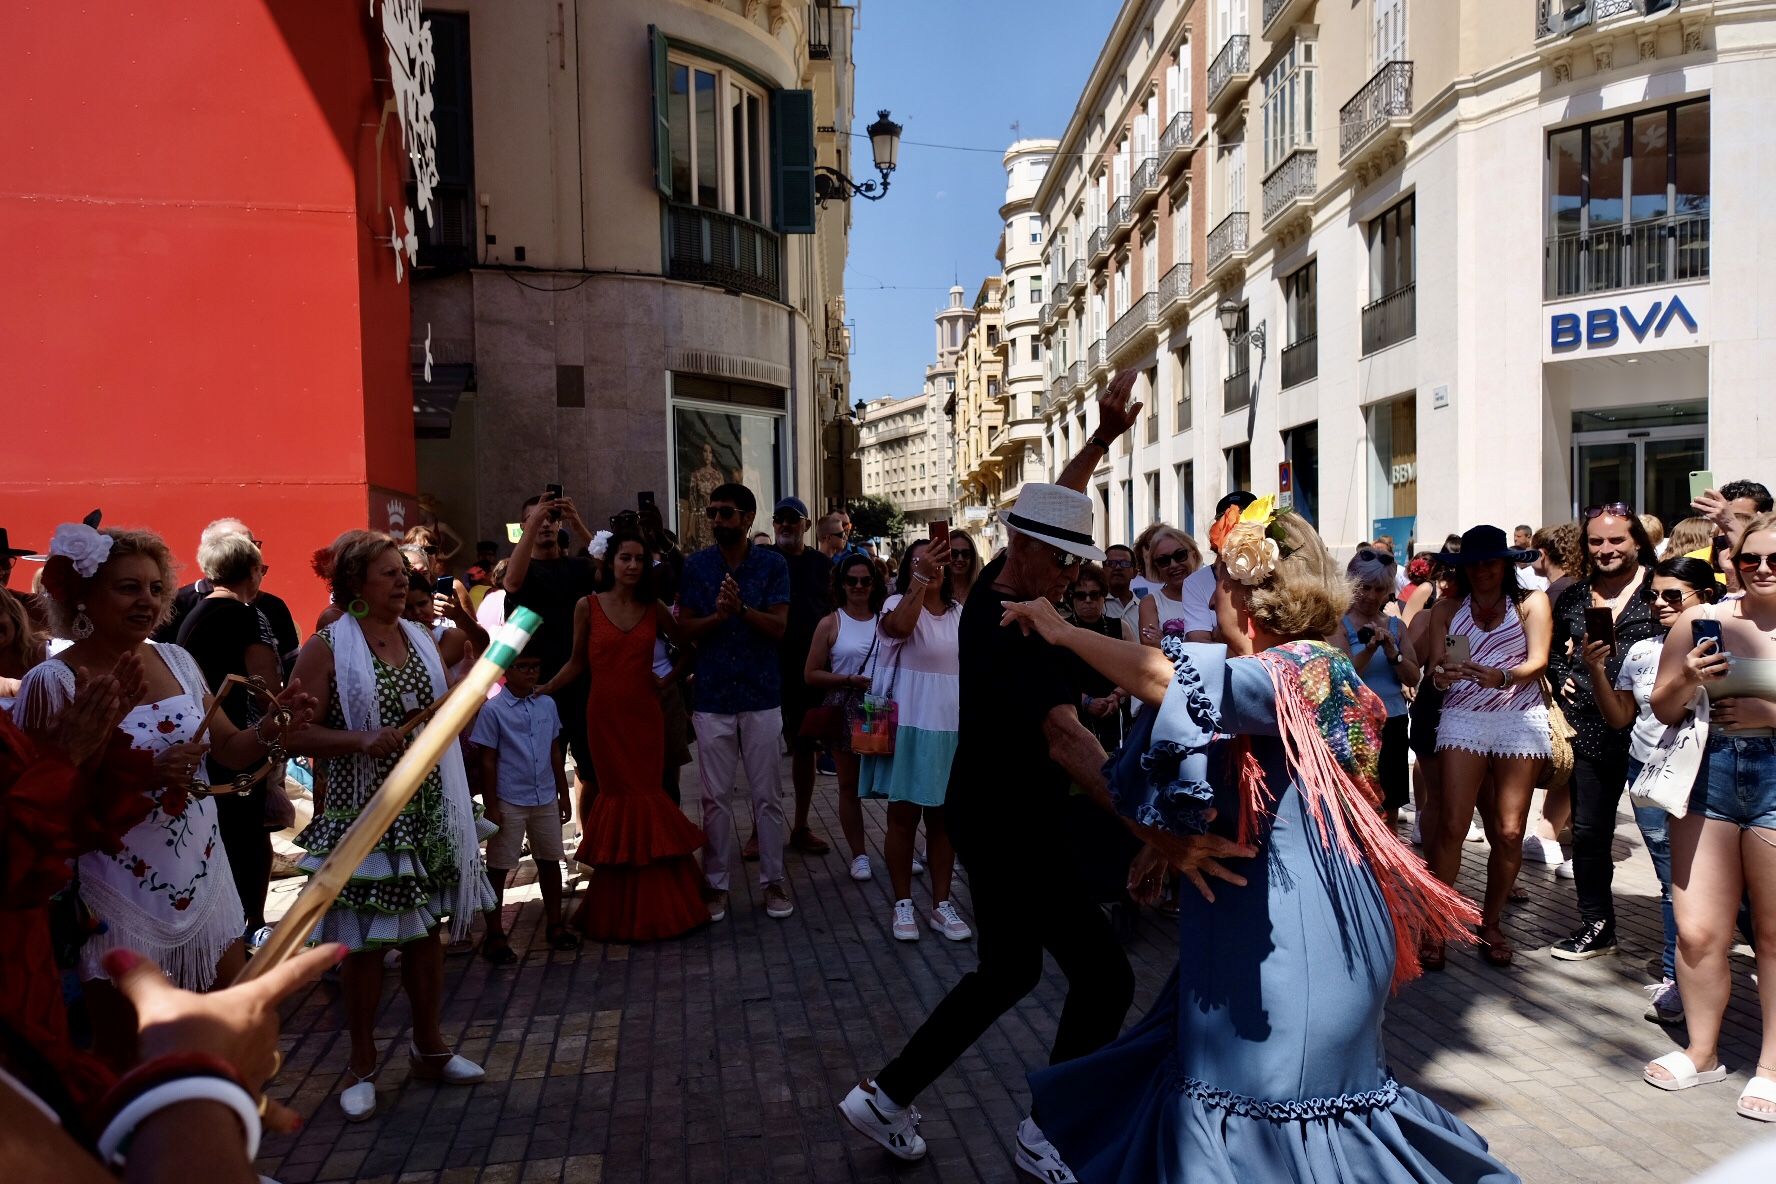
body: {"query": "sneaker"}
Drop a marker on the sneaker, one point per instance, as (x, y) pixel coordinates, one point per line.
(750, 852)
(1476, 832)
(860, 868)
(1564, 871)
(823, 765)
(1038, 1157)
(906, 926)
(870, 1112)
(777, 902)
(1593, 940)
(946, 920)
(918, 866)
(718, 906)
(1536, 849)
(1666, 1004)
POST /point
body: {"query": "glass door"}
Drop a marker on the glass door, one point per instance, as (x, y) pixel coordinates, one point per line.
(1649, 468)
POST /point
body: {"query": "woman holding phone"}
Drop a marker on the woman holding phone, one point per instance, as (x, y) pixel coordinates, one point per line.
(1726, 843)
(1488, 648)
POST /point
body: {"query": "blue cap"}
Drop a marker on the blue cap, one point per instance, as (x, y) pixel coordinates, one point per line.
(792, 503)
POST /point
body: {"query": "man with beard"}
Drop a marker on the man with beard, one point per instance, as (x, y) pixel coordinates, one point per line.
(1008, 811)
(735, 604)
(1613, 568)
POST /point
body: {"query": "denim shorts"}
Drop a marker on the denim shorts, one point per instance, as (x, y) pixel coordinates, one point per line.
(1737, 782)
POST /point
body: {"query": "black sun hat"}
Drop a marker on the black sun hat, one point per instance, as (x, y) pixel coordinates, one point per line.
(1481, 543)
(10, 551)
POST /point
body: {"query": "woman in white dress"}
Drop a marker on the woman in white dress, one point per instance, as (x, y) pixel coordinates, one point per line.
(166, 893)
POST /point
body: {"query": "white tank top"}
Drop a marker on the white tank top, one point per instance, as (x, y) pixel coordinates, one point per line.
(852, 645)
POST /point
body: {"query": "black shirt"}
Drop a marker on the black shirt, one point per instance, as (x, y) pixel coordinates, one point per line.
(552, 588)
(1002, 778)
(280, 626)
(810, 599)
(1595, 740)
(217, 633)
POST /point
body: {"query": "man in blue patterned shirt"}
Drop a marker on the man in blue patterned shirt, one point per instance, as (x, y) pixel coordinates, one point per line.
(734, 602)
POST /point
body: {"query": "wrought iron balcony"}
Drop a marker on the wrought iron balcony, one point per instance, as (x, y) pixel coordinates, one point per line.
(1174, 286)
(1128, 327)
(1047, 316)
(1236, 391)
(1145, 186)
(1233, 64)
(1094, 357)
(1301, 361)
(1228, 241)
(1078, 374)
(1174, 142)
(1558, 17)
(1291, 184)
(1657, 251)
(1278, 13)
(1122, 216)
(1384, 101)
(709, 247)
(1059, 389)
(1076, 277)
(1097, 247)
(1390, 320)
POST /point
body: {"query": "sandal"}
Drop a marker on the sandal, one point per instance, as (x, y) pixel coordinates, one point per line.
(1431, 956)
(1497, 953)
(563, 938)
(498, 951)
(1684, 1074)
(1761, 1089)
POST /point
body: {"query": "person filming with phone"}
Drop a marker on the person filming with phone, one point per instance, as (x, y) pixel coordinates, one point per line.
(1726, 842)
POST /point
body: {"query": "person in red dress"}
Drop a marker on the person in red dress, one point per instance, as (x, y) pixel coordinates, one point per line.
(645, 884)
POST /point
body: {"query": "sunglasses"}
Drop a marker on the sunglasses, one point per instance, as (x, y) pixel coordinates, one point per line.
(789, 519)
(962, 553)
(1748, 562)
(720, 513)
(260, 543)
(1671, 596)
(1064, 558)
(858, 582)
(1614, 509)
(1119, 564)
(1088, 596)
(1370, 555)
(1170, 558)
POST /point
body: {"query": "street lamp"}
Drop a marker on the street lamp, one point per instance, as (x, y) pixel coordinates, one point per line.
(1230, 312)
(831, 184)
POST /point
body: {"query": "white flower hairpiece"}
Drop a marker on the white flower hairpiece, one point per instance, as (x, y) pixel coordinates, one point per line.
(85, 547)
(600, 544)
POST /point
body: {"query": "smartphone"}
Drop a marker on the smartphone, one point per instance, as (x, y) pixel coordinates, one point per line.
(1365, 635)
(1701, 481)
(1457, 651)
(1703, 629)
(444, 586)
(552, 492)
(644, 501)
(1600, 625)
(940, 532)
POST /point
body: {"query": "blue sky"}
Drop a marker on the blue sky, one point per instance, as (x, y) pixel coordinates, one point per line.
(957, 72)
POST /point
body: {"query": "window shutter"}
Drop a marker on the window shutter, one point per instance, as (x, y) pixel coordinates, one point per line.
(792, 140)
(662, 122)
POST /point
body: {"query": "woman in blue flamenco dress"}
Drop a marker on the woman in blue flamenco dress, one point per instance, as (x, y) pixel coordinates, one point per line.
(1262, 1061)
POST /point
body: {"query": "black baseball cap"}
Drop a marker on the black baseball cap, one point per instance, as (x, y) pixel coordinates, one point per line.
(1239, 497)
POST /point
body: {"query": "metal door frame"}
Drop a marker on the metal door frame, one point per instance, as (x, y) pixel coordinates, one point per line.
(1638, 437)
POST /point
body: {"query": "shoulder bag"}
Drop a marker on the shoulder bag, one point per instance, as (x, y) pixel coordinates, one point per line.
(875, 719)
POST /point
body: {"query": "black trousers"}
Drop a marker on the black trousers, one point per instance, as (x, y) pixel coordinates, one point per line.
(1597, 785)
(1028, 897)
(241, 823)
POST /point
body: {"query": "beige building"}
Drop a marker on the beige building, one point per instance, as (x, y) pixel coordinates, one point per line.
(904, 447)
(633, 286)
(977, 416)
(1469, 238)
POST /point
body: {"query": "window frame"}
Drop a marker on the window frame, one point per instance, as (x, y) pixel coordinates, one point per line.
(1289, 102)
(727, 80)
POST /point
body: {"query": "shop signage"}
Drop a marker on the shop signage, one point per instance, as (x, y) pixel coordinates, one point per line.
(1602, 327)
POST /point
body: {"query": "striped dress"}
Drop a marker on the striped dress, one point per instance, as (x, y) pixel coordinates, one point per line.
(1512, 722)
(925, 686)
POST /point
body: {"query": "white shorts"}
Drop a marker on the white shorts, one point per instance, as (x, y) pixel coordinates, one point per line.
(1514, 733)
(541, 823)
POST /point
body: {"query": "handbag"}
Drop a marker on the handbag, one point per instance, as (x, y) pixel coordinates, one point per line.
(877, 717)
(1670, 773)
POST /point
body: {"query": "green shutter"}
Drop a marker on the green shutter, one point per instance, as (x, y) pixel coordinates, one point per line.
(792, 143)
(662, 121)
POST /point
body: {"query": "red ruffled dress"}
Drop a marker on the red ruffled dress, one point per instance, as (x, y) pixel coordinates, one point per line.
(645, 884)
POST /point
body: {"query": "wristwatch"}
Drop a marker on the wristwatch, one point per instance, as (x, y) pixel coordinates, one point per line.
(1099, 441)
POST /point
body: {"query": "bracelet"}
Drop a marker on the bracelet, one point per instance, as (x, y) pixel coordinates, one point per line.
(1099, 441)
(113, 1144)
(919, 579)
(162, 1069)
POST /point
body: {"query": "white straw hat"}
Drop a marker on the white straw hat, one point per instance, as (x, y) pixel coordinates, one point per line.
(1058, 516)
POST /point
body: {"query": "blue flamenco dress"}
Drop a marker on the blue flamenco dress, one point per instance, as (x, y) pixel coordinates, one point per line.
(1263, 1059)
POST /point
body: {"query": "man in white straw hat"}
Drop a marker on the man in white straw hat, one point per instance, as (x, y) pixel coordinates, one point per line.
(1020, 751)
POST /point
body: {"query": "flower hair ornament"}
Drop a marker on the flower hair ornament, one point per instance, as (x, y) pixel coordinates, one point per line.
(1252, 546)
(600, 544)
(85, 548)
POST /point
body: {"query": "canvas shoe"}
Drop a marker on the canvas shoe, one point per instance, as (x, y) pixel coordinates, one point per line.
(906, 925)
(868, 1110)
(1038, 1157)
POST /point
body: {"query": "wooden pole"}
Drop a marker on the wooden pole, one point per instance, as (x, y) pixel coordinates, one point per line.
(386, 804)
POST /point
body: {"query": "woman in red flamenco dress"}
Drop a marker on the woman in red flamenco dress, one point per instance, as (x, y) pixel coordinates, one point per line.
(645, 884)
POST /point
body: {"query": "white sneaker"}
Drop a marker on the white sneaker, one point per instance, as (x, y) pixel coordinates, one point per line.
(906, 926)
(1546, 852)
(947, 921)
(1476, 832)
(1037, 1156)
(860, 868)
(918, 866)
(359, 1099)
(870, 1112)
(1417, 837)
(1565, 870)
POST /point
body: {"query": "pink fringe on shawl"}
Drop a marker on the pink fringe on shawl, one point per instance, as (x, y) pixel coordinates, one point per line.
(1420, 905)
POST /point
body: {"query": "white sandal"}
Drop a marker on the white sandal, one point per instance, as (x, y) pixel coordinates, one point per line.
(1684, 1073)
(1762, 1089)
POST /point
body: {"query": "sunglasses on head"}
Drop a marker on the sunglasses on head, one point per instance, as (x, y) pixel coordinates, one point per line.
(1370, 555)
(260, 543)
(720, 513)
(1748, 562)
(1170, 558)
(1614, 509)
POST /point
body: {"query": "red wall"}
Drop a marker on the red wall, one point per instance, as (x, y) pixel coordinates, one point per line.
(198, 318)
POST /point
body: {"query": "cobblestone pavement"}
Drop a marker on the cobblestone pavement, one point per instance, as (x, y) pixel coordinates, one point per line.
(720, 1057)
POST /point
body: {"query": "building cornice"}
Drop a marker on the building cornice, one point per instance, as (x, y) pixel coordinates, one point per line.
(1128, 18)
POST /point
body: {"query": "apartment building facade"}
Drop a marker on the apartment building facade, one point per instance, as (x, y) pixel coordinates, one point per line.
(1386, 239)
(634, 286)
(979, 414)
(904, 444)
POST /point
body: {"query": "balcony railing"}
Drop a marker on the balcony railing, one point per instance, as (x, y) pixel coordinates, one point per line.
(1182, 414)
(1386, 96)
(1174, 286)
(1097, 247)
(1142, 313)
(1296, 178)
(1078, 373)
(1146, 182)
(710, 247)
(1229, 238)
(1236, 391)
(1563, 16)
(1301, 361)
(1076, 276)
(1659, 251)
(1234, 60)
(1094, 357)
(1390, 320)
(1060, 388)
(1175, 140)
(1047, 316)
(1122, 214)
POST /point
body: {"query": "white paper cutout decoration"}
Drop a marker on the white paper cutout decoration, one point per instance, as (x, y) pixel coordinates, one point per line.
(411, 73)
(428, 352)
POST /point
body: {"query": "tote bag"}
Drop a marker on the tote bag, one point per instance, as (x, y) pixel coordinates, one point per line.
(1670, 773)
(874, 720)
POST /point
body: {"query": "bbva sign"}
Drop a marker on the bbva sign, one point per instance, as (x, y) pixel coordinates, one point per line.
(1604, 326)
